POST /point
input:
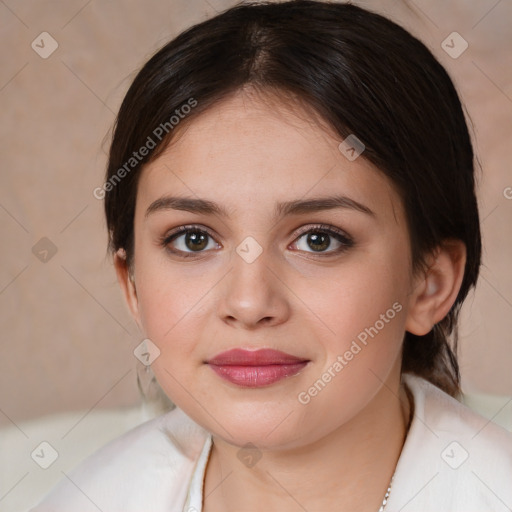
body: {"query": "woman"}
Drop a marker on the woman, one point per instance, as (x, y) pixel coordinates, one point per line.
(291, 206)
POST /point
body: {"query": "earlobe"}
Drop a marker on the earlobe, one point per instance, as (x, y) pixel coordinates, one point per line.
(436, 288)
(126, 281)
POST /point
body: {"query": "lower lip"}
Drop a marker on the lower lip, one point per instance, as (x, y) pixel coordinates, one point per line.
(257, 376)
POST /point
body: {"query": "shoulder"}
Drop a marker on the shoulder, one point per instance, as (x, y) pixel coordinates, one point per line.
(147, 468)
(453, 458)
(449, 416)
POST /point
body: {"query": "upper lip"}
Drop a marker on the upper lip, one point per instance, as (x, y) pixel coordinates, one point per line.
(261, 357)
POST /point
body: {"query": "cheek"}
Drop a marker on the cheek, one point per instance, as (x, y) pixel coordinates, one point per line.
(356, 297)
(367, 315)
(171, 320)
(170, 308)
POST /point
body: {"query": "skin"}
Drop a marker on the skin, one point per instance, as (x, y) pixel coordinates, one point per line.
(248, 153)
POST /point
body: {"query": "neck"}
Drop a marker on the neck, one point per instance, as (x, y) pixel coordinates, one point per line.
(351, 466)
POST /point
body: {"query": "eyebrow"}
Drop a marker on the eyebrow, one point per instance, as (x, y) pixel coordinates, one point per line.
(297, 207)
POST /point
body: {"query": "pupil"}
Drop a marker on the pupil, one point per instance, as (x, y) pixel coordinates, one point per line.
(318, 241)
(196, 241)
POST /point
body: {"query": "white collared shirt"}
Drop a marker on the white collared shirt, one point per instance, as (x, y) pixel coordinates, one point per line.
(453, 460)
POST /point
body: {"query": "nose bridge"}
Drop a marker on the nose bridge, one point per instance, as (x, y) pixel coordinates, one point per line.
(252, 291)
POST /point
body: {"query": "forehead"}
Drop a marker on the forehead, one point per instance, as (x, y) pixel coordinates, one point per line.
(250, 151)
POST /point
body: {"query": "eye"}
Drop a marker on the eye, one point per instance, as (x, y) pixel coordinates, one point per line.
(188, 240)
(320, 238)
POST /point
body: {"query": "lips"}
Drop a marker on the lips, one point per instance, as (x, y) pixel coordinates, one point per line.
(258, 368)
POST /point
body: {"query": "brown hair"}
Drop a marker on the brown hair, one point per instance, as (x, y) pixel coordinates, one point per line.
(364, 75)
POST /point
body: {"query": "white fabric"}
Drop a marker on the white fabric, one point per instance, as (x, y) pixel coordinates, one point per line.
(159, 465)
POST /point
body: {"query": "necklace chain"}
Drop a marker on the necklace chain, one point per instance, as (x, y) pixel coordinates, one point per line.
(408, 426)
(386, 496)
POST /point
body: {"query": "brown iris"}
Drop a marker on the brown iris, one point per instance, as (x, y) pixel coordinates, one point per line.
(318, 241)
(196, 240)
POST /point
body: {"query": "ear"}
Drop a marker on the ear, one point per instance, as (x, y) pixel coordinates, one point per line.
(436, 288)
(126, 281)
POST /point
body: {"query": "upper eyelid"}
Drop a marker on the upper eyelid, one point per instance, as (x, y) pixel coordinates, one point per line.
(323, 227)
(188, 227)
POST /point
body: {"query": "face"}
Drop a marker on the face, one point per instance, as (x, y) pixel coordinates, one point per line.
(297, 250)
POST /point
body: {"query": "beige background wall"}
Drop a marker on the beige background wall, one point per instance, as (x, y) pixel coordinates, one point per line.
(67, 338)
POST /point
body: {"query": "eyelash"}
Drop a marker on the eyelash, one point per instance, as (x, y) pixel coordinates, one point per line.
(345, 240)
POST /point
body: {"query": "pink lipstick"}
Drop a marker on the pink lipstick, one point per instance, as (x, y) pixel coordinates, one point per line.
(255, 368)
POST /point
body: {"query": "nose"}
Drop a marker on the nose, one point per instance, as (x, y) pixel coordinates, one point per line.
(253, 295)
